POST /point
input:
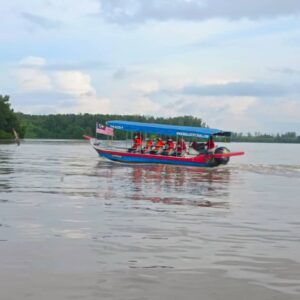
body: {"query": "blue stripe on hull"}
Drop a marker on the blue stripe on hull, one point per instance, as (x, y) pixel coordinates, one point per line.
(130, 159)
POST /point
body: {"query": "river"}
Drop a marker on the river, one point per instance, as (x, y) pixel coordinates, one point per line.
(74, 226)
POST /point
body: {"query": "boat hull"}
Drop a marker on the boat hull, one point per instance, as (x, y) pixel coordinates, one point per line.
(198, 161)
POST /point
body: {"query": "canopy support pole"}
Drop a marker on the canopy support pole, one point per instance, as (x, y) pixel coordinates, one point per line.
(176, 144)
(141, 141)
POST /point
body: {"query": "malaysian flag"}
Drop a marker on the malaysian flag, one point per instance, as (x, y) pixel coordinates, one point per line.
(104, 130)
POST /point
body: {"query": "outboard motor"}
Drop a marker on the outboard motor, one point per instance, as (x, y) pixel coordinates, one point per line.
(222, 160)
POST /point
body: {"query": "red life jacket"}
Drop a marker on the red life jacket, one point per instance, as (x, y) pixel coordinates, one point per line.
(137, 143)
(210, 144)
(170, 146)
(149, 144)
(180, 146)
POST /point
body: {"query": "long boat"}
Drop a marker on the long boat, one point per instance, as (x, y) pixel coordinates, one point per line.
(202, 158)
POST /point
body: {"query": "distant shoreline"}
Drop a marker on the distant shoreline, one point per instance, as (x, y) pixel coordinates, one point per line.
(7, 141)
(73, 126)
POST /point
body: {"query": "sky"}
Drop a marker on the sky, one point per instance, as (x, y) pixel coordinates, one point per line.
(235, 64)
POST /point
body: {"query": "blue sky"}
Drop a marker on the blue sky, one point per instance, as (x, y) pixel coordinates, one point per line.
(233, 63)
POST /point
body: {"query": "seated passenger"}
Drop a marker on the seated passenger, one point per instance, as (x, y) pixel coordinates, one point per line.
(137, 143)
(194, 145)
(180, 147)
(169, 147)
(158, 147)
(198, 146)
(148, 146)
(210, 145)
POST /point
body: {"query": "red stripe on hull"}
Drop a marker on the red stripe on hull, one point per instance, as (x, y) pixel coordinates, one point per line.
(204, 158)
(197, 159)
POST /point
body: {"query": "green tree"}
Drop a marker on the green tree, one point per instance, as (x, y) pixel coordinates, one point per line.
(70, 126)
(8, 120)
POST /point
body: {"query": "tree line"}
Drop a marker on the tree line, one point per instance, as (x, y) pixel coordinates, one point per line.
(258, 137)
(73, 126)
(9, 120)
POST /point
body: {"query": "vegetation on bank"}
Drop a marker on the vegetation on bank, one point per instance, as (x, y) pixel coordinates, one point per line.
(257, 137)
(9, 120)
(73, 126)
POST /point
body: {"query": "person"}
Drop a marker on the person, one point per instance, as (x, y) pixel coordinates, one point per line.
(158, 148)
(137, 143)
(194, 145)
(198, 146)
(210, 145)
(180, 147)
(169, 147)
(148, 146)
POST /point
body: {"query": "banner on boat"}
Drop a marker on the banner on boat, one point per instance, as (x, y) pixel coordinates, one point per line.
(101, 129)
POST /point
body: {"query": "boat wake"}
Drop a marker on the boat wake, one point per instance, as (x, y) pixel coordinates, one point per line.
(276, 170)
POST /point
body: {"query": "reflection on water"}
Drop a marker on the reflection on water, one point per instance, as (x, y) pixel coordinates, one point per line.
(172, 185)
(5, 168)
(102, 225)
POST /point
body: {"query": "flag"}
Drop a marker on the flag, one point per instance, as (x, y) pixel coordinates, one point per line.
(104, 130)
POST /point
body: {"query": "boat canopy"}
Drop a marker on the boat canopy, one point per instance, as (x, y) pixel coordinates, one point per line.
(165, 129)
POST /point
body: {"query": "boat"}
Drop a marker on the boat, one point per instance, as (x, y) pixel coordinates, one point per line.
(198, 157)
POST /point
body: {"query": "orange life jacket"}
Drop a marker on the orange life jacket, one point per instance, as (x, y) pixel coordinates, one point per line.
(149, 144)
(158, 145)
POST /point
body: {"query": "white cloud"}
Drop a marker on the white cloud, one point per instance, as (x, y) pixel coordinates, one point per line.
(33, 80)
(283, 110)
(29, 76)
(240, 106)
(140, 10)
(32, 61)
(145, 86)
(74, 82)
(63, 10)
(79, 85)
(145, 106)
(291, 109)
(237, 106)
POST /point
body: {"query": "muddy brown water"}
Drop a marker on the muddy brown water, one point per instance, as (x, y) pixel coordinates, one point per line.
(74, 226)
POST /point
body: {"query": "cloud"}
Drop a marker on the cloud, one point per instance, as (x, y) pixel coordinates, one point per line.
(145, 106)
(41, 21)
(212, 105)
(286, 71)
(33, 80)
(282, 110)
(64, 91)
(52, 14)
(84, 65)
(145, 86)
(35, 101)
(254, 89)
(33, 62)
(123, 73)
(74, 83)
(229, 113)
(79, 85)
(195, 10)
